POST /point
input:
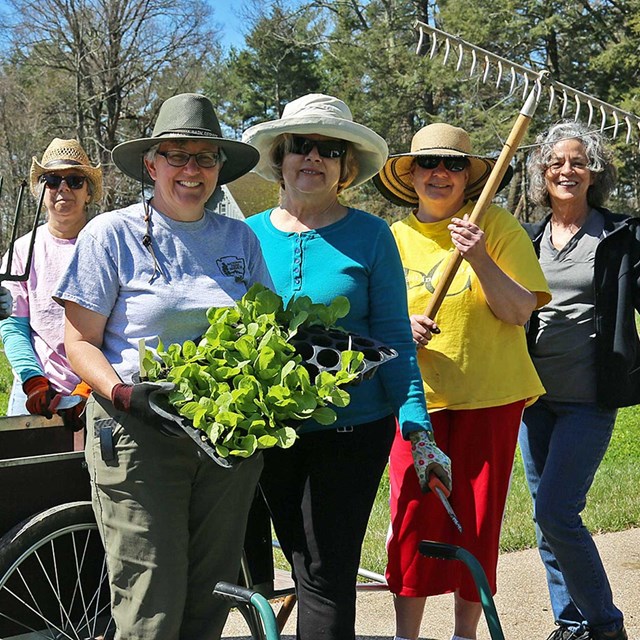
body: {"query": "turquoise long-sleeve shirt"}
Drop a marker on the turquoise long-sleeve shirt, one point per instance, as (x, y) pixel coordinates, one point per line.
(354, 257)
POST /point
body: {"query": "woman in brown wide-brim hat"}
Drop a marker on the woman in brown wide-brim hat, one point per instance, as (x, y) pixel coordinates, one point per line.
(172, 520)
(33, 336)
(476, 371)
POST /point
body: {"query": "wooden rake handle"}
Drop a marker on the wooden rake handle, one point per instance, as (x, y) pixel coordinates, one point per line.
(488, 192)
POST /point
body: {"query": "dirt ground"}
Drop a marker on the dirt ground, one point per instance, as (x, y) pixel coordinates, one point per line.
(522, 600)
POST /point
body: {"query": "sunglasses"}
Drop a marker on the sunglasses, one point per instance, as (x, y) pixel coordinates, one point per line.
(326, 148)
(450, 164)
(52, 181)
(204, 159)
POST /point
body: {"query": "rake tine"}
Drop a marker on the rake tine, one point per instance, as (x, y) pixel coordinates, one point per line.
(578, 105)
(616, 121)
(499, 73)
(474, 61)
(434, 46)
(590, 119)
(36, 220)
(628, 136)
(420, 44)
(447, 50)
(14, 232)
(460, 55)
(552, 97)
(514, 79)
(487, 65)
(525, 93)
(603, 118)
(1, 183)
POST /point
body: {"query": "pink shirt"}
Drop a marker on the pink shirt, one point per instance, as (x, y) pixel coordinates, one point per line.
(32, 299)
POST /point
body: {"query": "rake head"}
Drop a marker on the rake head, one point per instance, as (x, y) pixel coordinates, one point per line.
(7, 274)
(486, 66)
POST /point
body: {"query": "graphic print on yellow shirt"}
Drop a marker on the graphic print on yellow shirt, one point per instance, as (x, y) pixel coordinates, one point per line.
(477, 360)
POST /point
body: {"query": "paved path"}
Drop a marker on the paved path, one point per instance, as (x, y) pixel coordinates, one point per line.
(522, 600)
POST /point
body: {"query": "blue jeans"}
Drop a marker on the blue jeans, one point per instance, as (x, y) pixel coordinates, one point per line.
(562, 445)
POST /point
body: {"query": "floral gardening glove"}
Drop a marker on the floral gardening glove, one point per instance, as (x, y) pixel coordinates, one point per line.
(39, 394)
(428, 459)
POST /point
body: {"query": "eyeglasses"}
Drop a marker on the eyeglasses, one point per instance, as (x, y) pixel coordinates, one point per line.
(450, 164)
(204, 159)
(52, 181)
(326, 148)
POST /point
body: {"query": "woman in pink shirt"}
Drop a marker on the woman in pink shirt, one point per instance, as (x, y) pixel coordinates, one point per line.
(33, 336)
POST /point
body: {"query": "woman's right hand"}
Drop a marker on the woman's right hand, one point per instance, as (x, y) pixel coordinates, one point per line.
(423, 329)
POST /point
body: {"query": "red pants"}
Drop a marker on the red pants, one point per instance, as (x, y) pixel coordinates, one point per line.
(481, 444)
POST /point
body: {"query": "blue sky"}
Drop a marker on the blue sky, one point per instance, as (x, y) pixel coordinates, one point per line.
(225, 14)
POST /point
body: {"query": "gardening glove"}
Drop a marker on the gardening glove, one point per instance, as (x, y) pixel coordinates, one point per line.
(428, 459)
(6, 303)
(134, 399)
(73, 418)
(39, 396)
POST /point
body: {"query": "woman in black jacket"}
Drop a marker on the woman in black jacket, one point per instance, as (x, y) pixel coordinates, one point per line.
(586, 350)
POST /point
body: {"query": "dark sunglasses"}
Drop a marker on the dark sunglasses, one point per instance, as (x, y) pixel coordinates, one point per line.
(52, 181)
(326, 148)
(450, 164)
(204, 159)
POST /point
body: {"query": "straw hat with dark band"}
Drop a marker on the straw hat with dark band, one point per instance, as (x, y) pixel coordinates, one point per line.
(317, 113)
(66, 154)
(187, 116)
(395, 182)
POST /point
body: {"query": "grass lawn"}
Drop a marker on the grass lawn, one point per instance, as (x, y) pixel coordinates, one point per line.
(613, 503)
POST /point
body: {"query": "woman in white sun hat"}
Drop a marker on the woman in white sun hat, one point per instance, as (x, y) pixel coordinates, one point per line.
(320, 492)
(34, 336)
(474, 363)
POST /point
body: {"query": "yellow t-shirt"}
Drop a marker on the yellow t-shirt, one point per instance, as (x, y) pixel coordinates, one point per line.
(477, 360)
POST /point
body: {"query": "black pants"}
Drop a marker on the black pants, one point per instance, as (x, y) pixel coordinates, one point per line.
(320, 494)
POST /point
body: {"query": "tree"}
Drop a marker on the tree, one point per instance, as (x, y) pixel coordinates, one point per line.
(94, 68)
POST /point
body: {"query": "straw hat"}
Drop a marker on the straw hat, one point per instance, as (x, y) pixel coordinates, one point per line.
(187, 116)
(323, 115)
(442, 140)
(66, 154)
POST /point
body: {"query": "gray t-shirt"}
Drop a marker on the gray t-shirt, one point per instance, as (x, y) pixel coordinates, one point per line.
(564, 349)
(208, 263)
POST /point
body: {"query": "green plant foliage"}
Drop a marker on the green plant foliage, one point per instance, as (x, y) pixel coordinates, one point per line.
(243, 384)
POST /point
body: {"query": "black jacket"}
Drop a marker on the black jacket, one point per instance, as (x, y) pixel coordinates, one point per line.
(616, 285)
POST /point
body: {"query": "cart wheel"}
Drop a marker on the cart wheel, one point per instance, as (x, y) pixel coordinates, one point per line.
(53, 577)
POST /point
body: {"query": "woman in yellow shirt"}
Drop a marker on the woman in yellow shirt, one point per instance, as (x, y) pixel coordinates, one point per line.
(476, 371)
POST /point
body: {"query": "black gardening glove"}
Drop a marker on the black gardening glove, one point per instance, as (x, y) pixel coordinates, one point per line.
(134, 399)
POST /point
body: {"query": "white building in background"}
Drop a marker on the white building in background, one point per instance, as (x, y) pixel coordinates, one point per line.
(228, 205)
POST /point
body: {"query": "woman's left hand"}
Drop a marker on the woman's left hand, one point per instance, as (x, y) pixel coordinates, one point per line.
(467, 238)
(6, 303)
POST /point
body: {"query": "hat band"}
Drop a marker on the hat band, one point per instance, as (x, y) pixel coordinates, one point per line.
(464, 153)
(59, 163)
(208, 133)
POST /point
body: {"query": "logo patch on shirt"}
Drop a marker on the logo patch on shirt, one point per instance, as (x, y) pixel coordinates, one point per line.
(232, 267)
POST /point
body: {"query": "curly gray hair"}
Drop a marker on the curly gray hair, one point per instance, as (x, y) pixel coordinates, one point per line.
(599, 162)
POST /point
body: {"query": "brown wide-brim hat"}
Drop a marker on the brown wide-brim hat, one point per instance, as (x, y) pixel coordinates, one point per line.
(395, 181)
(317, 113)
(187, 116)
(66, 154)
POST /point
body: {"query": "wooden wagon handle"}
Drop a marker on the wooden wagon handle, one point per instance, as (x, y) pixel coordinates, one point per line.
(488, 192)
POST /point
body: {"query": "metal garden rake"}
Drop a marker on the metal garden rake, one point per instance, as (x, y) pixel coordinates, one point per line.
(483, 65)
(21, 277)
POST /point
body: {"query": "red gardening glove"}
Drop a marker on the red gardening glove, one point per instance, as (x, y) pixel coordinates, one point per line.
(39, 395)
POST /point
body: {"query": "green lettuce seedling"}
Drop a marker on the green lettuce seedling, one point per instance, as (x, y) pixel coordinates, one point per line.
(243, 383)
